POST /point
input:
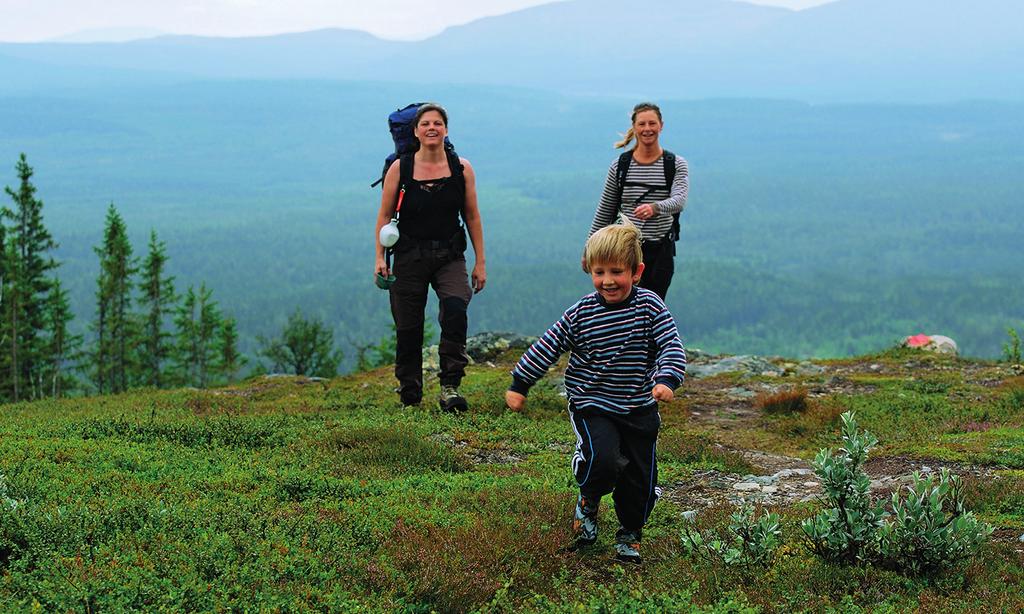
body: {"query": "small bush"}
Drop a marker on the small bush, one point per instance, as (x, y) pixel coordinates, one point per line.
(1011, 350)
(784, 401)
(847, 530)
(930, 528)
(749, 543)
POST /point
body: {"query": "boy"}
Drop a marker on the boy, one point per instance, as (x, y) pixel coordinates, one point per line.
(625, 356)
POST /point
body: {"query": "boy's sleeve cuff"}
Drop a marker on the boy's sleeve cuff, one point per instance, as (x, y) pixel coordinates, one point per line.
(665, 380)
(520, 385)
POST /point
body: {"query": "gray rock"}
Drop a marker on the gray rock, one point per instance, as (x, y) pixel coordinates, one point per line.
(486, 346)
(746, 486)
(809, 368)
(746, 364)
(788, 473)
(689, 515)
(740, 393)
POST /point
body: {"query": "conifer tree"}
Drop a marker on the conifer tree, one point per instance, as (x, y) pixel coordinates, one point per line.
(197, 323)
(114, 326)
(27, 285)
(186, 349)
(230, 361)
(305, 347)
(208, 334)
(62, 347)
(157, 303)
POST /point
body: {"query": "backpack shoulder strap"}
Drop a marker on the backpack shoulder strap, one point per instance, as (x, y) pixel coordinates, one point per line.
(405, 167)
(669, 160)
(455, 165)
(622, 171)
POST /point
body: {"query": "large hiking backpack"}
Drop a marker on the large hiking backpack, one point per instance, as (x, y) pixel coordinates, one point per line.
(401, 125)
(669, 160)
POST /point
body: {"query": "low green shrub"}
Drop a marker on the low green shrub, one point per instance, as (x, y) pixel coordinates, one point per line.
(847, 529)
(931, 529)
(751, 542)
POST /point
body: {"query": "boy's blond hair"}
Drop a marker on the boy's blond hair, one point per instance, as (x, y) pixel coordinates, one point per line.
(615, 244)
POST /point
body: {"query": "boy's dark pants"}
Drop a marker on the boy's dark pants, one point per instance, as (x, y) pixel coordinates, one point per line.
(616, 454)
(417, 267)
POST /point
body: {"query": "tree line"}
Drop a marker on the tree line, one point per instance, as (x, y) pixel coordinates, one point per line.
(144, 333)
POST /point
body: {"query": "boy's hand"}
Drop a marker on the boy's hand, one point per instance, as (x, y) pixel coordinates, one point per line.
(514, 400)
(663, 393)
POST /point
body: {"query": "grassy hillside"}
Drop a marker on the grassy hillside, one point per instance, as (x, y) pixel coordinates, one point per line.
(292, 494)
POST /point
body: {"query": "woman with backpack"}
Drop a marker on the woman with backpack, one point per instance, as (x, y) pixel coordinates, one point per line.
(649, 185)
(430, 190)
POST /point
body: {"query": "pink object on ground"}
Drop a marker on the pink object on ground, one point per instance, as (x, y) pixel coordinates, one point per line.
(918, 340)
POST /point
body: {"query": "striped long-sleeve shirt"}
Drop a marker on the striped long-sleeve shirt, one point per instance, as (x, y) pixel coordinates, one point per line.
(666, 202)
(617, 352)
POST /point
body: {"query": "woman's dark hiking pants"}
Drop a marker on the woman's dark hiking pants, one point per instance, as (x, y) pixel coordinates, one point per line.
(417, 267)
(659, 266)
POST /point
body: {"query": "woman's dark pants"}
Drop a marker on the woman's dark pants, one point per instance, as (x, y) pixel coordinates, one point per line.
(417, 267)
(659, 265)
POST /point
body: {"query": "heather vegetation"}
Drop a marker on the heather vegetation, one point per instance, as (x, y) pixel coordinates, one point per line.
(291, 493)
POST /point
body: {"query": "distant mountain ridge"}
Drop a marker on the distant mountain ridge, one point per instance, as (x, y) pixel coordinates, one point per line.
(850, 50)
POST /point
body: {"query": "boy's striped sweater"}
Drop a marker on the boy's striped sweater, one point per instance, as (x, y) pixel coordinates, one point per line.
(618, 352)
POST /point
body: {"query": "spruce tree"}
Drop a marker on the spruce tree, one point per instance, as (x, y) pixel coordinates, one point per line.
(186, 342)
(114, 325)
(27, 285)
(157, 303)
(62, 347)
(198, 324)
(230, 361)
(208, 335)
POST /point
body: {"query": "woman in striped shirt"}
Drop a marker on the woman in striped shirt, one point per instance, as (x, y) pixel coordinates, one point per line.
(648, 185)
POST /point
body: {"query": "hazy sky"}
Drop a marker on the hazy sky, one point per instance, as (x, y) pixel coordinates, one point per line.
(34, 20)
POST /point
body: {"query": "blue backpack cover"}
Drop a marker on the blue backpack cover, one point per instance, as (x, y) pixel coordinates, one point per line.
(400, 123)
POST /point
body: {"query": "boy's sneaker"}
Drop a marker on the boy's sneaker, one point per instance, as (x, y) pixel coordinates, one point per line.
(627, 547)
(584, 523)
(451, 400)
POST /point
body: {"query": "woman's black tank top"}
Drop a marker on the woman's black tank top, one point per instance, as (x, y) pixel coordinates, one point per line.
(431, 208)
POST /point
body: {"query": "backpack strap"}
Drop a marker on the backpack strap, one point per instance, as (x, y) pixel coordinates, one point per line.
(669, 159)
(405, 165)
(622, 171)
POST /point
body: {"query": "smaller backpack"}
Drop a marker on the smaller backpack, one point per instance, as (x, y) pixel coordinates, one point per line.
(400, 123)
(670, 175)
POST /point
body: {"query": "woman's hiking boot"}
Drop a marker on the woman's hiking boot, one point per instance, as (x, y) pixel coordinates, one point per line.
(584, 523)
(451, 400)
